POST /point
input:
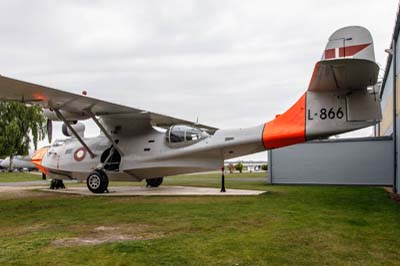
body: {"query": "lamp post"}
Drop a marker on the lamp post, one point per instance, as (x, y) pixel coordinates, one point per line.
(223, 179)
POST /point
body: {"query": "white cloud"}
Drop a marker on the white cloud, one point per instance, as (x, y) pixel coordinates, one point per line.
(232, 63)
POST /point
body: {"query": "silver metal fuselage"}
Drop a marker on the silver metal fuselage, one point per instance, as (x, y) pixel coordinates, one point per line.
(19, 162)
(148, 155)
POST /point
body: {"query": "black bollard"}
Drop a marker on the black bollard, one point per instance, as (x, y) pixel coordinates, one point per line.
(223, 180)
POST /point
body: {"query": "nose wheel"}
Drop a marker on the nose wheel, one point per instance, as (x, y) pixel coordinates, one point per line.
(97, 181)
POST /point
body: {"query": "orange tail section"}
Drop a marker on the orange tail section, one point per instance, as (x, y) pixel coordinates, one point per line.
(288, 128)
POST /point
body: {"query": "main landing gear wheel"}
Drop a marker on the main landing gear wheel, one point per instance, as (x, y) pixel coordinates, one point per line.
(97, 181)
(154, 182)
(57, 184)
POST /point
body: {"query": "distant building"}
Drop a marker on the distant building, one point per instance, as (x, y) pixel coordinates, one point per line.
(248, 166)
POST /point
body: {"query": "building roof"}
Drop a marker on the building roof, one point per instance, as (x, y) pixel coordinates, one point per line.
(389, 58)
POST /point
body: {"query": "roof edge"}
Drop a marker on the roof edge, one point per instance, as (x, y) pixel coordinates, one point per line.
(389, 58)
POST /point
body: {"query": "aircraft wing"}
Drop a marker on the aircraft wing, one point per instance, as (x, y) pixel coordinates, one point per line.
(16, 90)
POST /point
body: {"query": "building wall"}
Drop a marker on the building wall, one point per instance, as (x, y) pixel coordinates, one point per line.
(366, 161)
(386, 125)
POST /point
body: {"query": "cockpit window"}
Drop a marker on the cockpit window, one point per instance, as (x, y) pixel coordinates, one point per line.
(192, 134)
(58, 142)
(177, 134)
(184, 134)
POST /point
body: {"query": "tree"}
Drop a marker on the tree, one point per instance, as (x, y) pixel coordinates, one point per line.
(19, 126)
(231, 168)
(239, 167)
(264, 167)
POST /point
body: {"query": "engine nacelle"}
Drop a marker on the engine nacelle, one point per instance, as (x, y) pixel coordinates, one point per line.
(51, 115)
(78, 127)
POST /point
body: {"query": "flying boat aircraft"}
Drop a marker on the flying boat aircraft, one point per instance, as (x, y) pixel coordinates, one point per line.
(19, 162)
(340, 98)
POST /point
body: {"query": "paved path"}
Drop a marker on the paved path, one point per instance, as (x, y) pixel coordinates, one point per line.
(24, 183)
(31, 183)
(160, 191)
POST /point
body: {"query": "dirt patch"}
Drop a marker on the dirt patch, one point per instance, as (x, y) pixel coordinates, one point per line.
(393, 196)
(21, 192)
(109, 234)
(8, 192)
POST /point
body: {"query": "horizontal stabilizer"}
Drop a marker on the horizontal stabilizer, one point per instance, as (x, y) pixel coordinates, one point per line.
(343, 75)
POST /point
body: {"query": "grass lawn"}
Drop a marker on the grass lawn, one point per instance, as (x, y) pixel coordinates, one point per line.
(290, 225)
(19, 177)
(228, 175)
(255, 180)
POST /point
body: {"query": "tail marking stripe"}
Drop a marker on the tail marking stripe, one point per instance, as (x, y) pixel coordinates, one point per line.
(349, 50)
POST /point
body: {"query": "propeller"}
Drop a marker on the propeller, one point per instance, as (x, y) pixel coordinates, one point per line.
(49, 130)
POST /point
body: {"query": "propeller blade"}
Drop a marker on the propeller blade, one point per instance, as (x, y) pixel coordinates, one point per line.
(49, 130)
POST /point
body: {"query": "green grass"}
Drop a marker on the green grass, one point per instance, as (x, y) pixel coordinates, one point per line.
(290, 225)
(228, 175)
(244, 180)
(19, 177)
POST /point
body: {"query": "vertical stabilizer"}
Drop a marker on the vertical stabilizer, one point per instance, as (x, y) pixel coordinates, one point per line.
(350, 42)
(341, 96)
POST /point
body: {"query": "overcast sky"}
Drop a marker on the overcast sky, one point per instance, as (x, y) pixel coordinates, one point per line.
(230, 63)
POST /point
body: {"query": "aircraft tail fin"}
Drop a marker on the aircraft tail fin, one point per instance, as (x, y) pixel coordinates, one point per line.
(348, 62)
(350, 42)
(341, 96)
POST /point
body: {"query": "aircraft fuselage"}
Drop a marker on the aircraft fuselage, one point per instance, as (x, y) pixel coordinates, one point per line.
(149, 155)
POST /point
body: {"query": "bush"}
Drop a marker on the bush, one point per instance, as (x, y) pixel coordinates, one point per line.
(239, 167)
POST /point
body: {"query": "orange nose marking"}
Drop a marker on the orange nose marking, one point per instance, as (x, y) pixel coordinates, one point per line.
(37, 158)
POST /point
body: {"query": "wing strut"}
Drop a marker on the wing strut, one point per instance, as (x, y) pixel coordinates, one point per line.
(115, 146)
(59, 114)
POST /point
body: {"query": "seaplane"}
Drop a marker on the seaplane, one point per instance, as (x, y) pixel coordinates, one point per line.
(136, 145)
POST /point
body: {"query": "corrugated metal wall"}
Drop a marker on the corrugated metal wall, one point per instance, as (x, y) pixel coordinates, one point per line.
(366, 161)
(389, 81)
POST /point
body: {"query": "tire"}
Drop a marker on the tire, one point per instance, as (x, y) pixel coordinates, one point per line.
(97, 181)
(154, 182)
(57, 184)
(53, 184)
